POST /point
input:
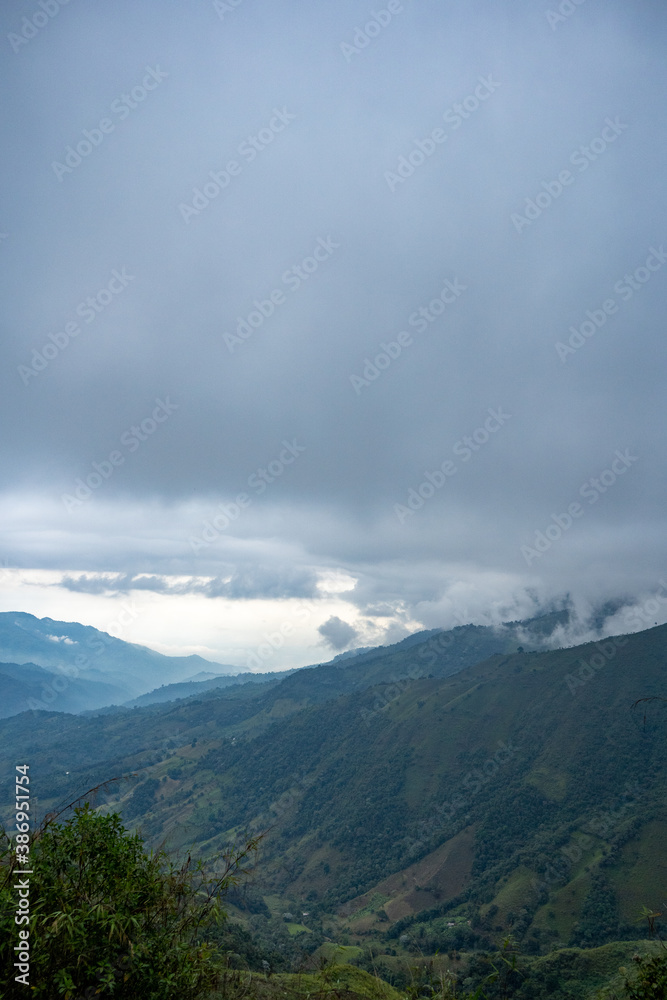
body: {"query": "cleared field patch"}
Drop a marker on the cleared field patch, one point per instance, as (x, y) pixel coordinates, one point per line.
(439, 876)
(640, 878)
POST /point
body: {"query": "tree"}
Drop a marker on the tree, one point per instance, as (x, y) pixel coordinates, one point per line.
(650, 981)
(108, 918)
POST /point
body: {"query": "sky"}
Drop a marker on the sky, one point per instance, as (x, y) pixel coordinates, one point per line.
(324, 323)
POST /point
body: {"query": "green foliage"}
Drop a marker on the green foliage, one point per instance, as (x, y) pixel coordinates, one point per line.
(599, 915)
(142, 799)
(650, 979)
(109, 919)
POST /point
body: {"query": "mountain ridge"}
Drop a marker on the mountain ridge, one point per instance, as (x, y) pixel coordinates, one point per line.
(81, 653)
(422, 814)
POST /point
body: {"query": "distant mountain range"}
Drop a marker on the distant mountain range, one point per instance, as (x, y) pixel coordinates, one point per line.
(437, 794)
(70, 667)
(196, 687)
(432, 796)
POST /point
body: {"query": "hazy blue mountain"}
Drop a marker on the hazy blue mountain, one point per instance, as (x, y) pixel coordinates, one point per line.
(114, 670)
(203, 675)
(193, 688)
(24, 684)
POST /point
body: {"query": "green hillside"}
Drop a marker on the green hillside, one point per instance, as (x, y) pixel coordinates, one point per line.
(146, 732)
(551, 781)
(522, 795)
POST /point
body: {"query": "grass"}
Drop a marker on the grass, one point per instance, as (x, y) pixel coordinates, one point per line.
(565, 904)
(515, 893)
(338, 982)
(338, 953)
(295, 929)
(641, 880)
(584, 972)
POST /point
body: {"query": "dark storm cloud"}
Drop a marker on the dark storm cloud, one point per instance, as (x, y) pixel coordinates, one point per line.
(97, 584)
(253, 582)
(337, 634)
(375, 248)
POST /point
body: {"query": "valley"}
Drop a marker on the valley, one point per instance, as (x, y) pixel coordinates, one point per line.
(417, 804)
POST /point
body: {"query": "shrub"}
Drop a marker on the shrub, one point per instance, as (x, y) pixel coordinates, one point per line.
(108, 918)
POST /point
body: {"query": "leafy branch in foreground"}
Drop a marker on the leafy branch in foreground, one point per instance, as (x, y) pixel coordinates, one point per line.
(108, 918)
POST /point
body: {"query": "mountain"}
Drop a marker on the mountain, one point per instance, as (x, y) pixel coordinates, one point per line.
(440, 651)
(194, 688)
(94, 669)
(86, 667)
(416, 799)
(521, 777)
(243, 708)
(203, 675)
(25, 683)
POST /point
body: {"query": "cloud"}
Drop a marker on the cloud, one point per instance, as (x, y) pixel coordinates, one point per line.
(99, 583)
(253, 583)
(337, 634)
(369, 420)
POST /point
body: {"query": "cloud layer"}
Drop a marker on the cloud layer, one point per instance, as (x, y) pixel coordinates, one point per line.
(294, 291)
